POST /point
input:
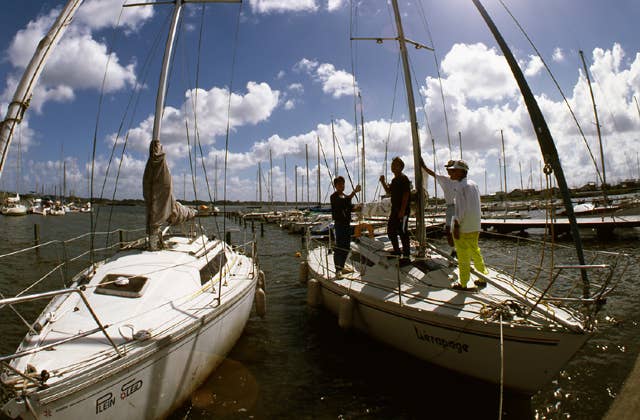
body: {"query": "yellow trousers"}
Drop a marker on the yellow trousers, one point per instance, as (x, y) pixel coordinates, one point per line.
(467, 250)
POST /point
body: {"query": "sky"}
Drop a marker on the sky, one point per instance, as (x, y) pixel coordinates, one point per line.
(295, 74)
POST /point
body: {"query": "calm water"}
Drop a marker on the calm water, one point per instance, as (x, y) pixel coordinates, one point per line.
(297, 363)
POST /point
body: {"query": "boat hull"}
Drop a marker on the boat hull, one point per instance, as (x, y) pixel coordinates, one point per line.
(532, 356)
(150, 383)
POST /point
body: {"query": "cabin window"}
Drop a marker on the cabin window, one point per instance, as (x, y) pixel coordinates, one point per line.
(123, 285)
(213, 267)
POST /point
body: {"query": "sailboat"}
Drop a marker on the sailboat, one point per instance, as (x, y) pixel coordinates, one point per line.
(510, 332)
(13, 207)
(135, 334)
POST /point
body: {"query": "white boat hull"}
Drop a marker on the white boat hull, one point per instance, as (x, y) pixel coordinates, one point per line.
(471, 346)
(146, 386)
(186, 334)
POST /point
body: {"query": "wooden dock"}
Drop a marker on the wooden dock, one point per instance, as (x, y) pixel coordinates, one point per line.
(604, 225)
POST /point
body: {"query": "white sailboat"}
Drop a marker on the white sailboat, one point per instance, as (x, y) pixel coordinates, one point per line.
(508, 332)
(135, 334)
(13, 207)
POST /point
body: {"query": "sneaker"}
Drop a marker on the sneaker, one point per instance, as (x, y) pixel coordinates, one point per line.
(480, 283)
(458, 286)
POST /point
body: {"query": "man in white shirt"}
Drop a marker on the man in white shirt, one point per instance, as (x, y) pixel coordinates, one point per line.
(449, 190)
(466, 226)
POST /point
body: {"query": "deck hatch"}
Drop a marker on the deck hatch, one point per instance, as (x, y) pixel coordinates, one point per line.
(112, 284)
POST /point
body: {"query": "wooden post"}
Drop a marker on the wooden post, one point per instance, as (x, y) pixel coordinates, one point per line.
(261, 229)
(36, 237)
(121, 238)
(228, 237)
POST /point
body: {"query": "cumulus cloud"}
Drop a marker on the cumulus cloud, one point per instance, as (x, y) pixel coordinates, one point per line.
(334, 82)
(254, 106)
(534, 66)
(333, 5)
(558, 55)
(282, 6)
(65, 72)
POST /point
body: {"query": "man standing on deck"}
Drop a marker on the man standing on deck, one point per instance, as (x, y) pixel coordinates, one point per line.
(341, 209)
(398, 224)
(466, 226)
(449, 186)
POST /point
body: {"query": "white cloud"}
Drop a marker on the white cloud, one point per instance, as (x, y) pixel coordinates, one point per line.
(296, 87)
(478, 73)
(78, 61)
(333, 5)
(337, 83)
(98, 14)
(534, 66)
(558, 54)
(254, 106)
(281, 6)
(280, 74)
(289, 105)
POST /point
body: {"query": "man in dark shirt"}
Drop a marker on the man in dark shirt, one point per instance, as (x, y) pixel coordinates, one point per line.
(341, 209)
(398, 224)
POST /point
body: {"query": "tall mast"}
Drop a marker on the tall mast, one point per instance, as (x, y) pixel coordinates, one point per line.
(547, 146)
(21, 98)
(335, 156)
(260, 182)
(306, 152)
(318, 180)
(364, 160)
(270, 179)
(414, 129)
(595, 113)
(504, 162)
(296, 184)
(286, 201)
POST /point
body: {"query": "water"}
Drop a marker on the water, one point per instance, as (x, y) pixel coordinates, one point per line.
(297, 363)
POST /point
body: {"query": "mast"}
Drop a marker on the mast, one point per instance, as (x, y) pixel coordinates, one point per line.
(21, 98)
(335, 156)
(318, 180)
(286, 201)
(306, 152)
(270, 179)
(595, 113)
(414, 129)
(460, 142)
(547, 146)
(215, 180)
(260, 183)
(364, 160)
(504, 162)
(296, 184)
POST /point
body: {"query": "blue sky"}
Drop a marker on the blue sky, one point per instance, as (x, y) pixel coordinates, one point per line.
(296, 70)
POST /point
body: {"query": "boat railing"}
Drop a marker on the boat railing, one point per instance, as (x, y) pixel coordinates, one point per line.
(42, 377)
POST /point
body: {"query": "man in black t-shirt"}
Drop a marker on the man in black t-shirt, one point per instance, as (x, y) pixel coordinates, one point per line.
(341, 208)
(400, 190)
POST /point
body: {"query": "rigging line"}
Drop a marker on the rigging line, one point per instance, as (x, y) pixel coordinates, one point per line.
(326, 164)
(393, 107)
(197, 131)
(136, 94)
(437, 63)
(355, 92)
(226, 142)
(566, 101)
(344, 162)
(95, 142)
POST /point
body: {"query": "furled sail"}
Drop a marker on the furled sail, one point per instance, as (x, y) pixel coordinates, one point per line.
(157, 190)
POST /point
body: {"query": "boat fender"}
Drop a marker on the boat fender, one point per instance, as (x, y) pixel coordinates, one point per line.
(360, 227)
(345, 313)
(304, 272)
(261, 302)
(261, 280)
(313, 292)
